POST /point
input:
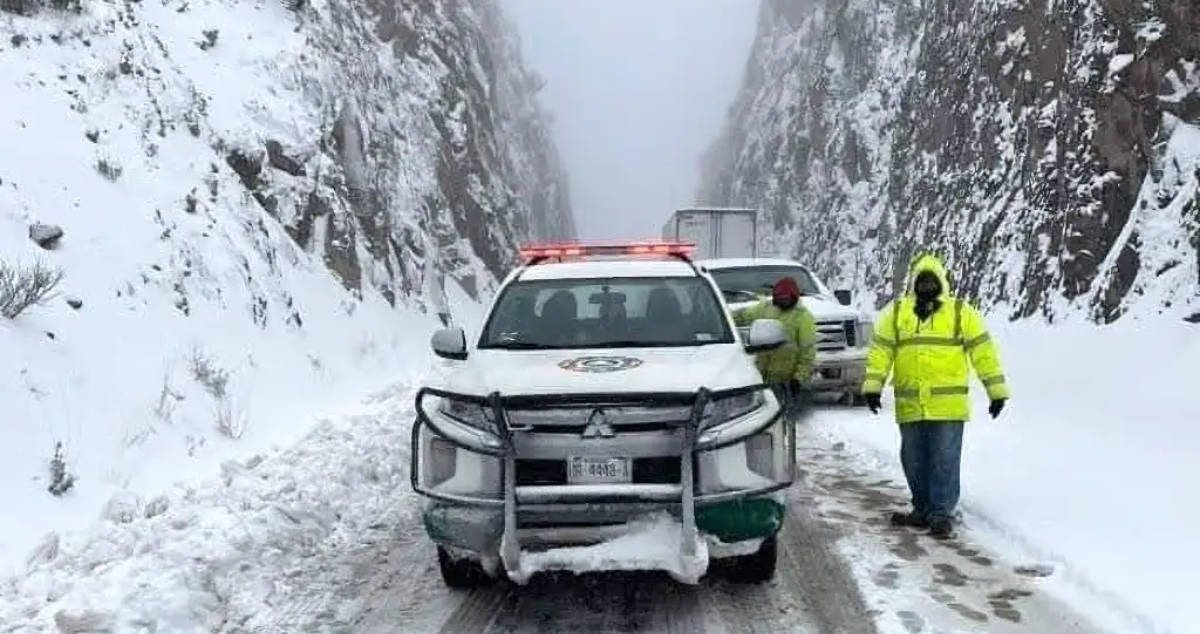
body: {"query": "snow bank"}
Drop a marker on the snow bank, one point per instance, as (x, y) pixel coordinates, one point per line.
(1093, 465)
(221, 556)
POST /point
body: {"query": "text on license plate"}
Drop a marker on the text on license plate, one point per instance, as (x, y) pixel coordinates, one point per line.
(591, 470)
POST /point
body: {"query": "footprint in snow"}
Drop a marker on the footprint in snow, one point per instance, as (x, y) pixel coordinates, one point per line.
(1037, 571)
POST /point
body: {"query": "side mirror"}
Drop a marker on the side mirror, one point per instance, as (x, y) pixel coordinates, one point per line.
(765, 334)
(843, 297)
(450, 343)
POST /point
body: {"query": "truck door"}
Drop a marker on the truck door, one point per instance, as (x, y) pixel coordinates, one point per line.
(737, 236)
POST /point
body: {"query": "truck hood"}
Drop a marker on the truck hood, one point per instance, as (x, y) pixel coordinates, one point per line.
(822, 308)
(687, 369)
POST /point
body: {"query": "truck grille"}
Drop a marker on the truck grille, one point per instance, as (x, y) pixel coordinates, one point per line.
(831, 336)
(663, 470)
(622, 418)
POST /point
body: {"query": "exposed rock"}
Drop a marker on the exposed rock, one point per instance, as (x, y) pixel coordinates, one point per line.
(247, 165)
(1016, 138)
(282, 161)
(46, 236)
(75, 302)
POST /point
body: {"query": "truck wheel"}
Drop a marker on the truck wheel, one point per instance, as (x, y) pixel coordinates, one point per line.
(756, 568)
(461, 572)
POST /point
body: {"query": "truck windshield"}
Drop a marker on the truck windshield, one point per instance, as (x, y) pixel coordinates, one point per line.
(747, 283)
(606, 313)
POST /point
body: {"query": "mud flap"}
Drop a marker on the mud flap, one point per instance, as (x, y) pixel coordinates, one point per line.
(742, 520)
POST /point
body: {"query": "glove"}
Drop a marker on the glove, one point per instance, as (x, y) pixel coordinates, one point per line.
(874, 402)
(996, 407)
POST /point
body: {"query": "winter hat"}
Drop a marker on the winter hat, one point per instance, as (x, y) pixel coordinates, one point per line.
(786, 287)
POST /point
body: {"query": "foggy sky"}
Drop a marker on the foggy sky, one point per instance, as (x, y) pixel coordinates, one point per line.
(638, 90)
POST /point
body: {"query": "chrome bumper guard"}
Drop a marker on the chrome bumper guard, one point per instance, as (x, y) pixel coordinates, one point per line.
(565, 497)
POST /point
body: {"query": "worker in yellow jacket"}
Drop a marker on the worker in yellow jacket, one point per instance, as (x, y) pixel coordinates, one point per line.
(925, 339)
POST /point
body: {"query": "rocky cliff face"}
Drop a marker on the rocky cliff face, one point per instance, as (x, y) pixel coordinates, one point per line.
(1049, 148)
(393, 140)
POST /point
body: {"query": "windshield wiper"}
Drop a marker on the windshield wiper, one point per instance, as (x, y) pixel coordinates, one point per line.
(520, 345)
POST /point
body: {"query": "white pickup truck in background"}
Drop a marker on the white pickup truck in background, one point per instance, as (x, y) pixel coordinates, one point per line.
(726, 240)
(843, 333)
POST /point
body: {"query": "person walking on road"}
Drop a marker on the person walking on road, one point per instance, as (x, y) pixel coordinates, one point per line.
(925, 339)
(788, 368)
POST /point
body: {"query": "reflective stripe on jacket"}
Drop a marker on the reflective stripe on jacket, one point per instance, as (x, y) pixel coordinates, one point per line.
(928, 359)
(794, 360)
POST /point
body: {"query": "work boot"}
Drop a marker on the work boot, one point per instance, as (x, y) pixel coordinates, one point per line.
(941, 528)
(911, 519)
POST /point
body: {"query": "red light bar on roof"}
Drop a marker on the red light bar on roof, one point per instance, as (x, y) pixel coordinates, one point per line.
(682, 250)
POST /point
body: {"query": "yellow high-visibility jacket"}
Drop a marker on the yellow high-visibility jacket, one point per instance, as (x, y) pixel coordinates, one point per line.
(928, 359)
(794, 360)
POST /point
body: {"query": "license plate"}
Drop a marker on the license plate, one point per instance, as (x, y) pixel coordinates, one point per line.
(590, 470)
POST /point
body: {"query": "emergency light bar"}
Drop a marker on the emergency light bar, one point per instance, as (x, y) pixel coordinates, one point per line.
(536, 253)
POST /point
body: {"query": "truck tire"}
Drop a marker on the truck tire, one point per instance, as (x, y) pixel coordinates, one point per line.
(461, 572)
(756, 568)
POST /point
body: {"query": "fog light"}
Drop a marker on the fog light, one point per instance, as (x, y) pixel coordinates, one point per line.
(760, 455)
(441, 461)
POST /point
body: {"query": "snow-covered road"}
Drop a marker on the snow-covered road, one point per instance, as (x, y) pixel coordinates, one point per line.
(325, 537)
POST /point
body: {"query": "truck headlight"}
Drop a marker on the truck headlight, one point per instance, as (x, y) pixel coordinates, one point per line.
(759, 461)
(445, 468)
(470, 414)
(866, 331)
(727, 408)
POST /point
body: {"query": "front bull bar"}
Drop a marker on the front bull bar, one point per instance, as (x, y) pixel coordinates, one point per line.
(503, 447)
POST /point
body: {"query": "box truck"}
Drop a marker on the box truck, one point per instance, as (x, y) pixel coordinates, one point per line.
(718, 232)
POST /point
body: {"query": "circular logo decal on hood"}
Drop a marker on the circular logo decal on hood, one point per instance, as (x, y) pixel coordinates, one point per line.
(600, 364)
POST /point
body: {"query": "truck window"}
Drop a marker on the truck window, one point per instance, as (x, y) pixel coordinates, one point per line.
(748, 282)
(606, 313)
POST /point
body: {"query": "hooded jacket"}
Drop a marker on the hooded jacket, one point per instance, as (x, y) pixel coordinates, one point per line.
(928, 358)
(794, 360)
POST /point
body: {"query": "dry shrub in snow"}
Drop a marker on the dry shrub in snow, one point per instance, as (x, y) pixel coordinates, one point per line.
(60, 480)
(109, 169)
(22, 287)
(231, 422)
(208, 374)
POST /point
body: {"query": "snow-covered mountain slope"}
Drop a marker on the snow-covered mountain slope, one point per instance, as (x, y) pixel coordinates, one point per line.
(259, 202)
(1050, 148)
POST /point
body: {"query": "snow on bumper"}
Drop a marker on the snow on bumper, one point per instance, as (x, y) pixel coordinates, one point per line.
(741, 463)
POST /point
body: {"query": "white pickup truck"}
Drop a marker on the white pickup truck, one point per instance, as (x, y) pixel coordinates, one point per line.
(608, 383)
(843, 333)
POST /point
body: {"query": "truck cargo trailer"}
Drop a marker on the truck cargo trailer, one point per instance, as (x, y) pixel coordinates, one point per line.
(717, 232)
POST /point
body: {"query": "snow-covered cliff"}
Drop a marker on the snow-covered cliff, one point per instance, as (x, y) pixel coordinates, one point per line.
(262, 204)
(1050, 148)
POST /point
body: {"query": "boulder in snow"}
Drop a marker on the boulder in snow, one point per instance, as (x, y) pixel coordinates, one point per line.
(280, 160)
(157, 506)
(75, 302)
(80, 621)
(123, 508)
(46, 236)
(247, 165)
(46, 551)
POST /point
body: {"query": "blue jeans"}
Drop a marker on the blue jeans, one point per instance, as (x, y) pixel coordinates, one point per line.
(931, 452)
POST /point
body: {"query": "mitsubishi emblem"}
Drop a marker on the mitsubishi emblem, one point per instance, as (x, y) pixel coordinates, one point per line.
(598, 426)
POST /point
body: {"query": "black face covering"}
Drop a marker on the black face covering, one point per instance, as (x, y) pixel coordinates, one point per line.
(785, 303)
(928, 289)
